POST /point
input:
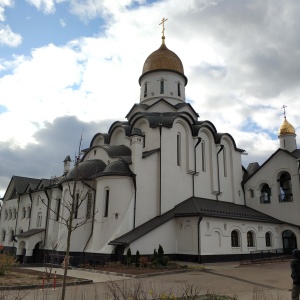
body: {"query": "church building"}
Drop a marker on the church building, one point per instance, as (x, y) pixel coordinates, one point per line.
(162, 177)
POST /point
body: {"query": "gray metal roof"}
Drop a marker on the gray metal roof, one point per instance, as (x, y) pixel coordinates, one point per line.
(86, 169)
(117, 150)
(196, 207)
(296, 153)
(29, 233)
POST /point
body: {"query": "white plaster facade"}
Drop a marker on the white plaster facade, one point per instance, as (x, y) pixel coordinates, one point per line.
(162, 177)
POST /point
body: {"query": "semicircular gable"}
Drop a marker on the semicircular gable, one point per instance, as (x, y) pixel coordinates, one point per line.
(99, 139)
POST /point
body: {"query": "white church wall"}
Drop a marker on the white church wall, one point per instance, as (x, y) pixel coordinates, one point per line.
(176, 183)
(285, 211)
(216, 236)
(165, 236)
(121, 197)
(147, 191)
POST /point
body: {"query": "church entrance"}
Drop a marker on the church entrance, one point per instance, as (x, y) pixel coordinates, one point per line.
(289, 241)
(37, 254)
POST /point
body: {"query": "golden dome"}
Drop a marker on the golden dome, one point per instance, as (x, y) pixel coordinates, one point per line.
(163, 59)
(286, 128)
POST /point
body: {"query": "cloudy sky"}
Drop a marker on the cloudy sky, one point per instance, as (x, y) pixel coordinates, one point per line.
(71, 67)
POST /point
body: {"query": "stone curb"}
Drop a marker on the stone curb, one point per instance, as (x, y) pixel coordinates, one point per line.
(39, 286)
(133, 275)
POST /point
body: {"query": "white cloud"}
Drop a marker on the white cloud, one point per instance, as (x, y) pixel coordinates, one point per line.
(3, 4)
(62, 23)
(8, 37)
(242, 64)
(46, 6)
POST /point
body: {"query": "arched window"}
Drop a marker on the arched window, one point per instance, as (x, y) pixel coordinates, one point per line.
(145, 89)
(3, 235)
(14, 213)
(106, 204)
(178, 89)
(10, 214)
(178, 149)
(162, 86)
(28, 212)
(285, 186)
(265, 194)
(11, 235)
(203, 156)
(5, 215)
(268, 238)
(23, 212)
(39, 220)
(224, 162)
(250, 239)
(235, 238)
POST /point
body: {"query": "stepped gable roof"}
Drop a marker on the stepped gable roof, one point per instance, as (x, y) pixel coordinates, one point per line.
(117, 150)
(196, 207)
(86, 169)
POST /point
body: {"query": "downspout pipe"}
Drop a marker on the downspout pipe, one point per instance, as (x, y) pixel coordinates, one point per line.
(218, 170)
(198, 232)
(17, 216)
(47, 216)
(160, 179)
(29, 223)
(93, 217)
(195, 166)
(134, 205)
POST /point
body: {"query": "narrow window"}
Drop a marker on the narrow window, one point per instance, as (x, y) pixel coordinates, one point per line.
(89, 206)
(3, 235)
(265, 194)
(39, 220)
(250, 239)
(12, 235)
(10, 214)
(178, 149)
(144, 140)
(145, 89)
(285, 182)
(162, 86)
(251, 191)
(28, 212)
(76, 204)
(268, 239)
(106, 203)
(58, 200)
(203, 156)
(6, 215)
(235, 239)
(224, 162)
(178, 89)
(23, 212)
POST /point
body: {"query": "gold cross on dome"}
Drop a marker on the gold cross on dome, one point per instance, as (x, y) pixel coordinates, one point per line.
(163, 25)
(284, 112)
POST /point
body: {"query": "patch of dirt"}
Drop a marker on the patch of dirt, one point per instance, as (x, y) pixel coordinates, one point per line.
(21, 276)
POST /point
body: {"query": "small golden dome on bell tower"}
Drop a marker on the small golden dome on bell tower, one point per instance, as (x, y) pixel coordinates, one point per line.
(286, 128)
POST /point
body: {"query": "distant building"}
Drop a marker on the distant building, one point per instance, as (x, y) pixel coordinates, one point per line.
(163, 177)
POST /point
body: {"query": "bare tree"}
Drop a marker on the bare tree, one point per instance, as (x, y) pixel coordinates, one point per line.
(79, 188)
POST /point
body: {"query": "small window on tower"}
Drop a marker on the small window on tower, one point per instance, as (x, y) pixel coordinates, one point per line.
(145, 89)
(162, 86)
(178, 89)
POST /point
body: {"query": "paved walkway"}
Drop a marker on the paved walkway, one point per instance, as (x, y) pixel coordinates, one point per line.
(267, 281)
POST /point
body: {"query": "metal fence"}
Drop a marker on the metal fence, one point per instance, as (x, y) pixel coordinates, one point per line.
(265, 255)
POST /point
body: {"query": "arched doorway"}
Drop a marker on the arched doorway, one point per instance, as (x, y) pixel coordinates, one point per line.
(37, 254)
(289, 241)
